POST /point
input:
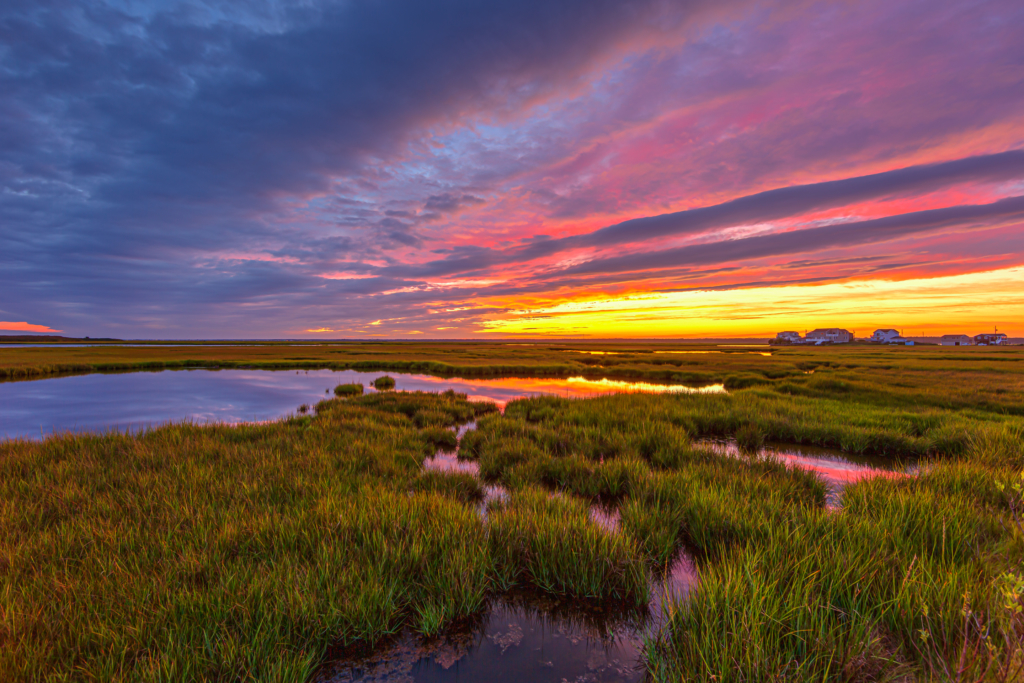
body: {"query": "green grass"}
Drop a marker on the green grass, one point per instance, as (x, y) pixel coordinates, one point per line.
(550, 543)
(212, 552)
(791, 590)
(457, 485)
(909, 379)
(878, 589)
(354, 389)
(245, 552)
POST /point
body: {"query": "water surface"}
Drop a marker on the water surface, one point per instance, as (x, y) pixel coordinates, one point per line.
(836, 468)
(134, 400)
(520, 639)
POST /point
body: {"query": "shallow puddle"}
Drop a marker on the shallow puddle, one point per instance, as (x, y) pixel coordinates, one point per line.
(836, 468)
(518, 640)
(134, 400)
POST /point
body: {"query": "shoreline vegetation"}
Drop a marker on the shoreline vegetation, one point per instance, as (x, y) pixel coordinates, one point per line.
(251, 552)
(979, 378)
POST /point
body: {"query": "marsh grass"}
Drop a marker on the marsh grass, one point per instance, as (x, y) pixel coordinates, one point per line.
(911, 575)
(205, 552)
(910, 380)
(354, 389)
(244, 552)
(459, 486)
(440, 438)
(903, 581)
(549, 542)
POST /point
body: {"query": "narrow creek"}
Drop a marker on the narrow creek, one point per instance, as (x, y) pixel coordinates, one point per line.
(526, 636)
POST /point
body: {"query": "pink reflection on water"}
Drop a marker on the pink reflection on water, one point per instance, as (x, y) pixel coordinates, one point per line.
(449, 462)
(836, 468)
(605, 517)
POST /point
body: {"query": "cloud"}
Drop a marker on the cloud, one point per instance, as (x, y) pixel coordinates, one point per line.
(757, 208)
(790, 201)
(447, 202)
(25, 327)
(209, 168)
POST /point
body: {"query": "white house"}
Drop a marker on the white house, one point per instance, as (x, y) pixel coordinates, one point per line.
(789, 337)
(955, 340)
(833, 335)
(885, 336)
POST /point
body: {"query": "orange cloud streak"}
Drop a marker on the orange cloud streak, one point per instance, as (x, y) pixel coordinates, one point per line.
(25, 327)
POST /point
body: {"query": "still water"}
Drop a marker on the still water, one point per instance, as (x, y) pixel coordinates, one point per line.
(835, 468)
(126, 401)
(529, 639)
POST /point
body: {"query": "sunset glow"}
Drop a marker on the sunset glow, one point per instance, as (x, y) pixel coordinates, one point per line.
(971, 302)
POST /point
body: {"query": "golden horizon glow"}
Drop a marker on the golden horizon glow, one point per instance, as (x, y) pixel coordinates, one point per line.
(956, 304)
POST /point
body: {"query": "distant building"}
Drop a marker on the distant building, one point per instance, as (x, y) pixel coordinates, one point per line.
(829, 335)
(788, 338)
(996, 339)
(955, 340)
(884, 336)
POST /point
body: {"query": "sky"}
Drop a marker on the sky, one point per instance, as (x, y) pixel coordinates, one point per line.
(510, 168)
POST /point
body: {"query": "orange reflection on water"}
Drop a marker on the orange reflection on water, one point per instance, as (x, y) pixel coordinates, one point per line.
(502, 390)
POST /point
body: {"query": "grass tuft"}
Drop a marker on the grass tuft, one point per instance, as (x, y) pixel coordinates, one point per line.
(354, 389)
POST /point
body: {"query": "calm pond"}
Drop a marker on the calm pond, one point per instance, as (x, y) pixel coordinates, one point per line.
(124, 401)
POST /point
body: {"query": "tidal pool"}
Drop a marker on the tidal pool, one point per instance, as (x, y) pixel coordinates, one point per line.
(135, 400)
